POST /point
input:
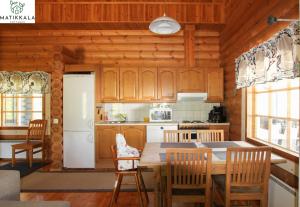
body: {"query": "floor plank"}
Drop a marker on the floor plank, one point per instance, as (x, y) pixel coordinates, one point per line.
(89, 199)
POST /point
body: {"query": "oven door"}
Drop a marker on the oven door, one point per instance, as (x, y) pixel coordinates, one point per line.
(194, 136)
(194, 131)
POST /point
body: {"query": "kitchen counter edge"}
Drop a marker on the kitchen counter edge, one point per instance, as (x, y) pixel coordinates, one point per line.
(152, 123)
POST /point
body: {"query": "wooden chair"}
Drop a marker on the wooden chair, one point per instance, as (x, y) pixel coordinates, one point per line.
(210, 135)
(177, 135)
(247, 176)
(189, 175)
(35, 139)
(135, 172)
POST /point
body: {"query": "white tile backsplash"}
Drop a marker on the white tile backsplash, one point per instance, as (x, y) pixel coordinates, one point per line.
(192, 110)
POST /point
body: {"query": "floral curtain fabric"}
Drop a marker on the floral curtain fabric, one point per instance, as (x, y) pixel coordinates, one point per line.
(24, 82)
(273, 60)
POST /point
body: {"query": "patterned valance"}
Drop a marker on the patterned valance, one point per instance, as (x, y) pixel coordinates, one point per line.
(24, 82)
(273, 60)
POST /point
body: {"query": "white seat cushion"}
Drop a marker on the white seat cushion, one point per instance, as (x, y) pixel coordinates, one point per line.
(123, 150)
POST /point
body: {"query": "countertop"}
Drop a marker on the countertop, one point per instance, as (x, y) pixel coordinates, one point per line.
(104, 123)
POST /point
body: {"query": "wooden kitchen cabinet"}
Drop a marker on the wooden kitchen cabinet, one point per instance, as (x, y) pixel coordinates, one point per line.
(110, 84)
(215, 85)
(105, 137)
(191, 80)
(98, 85)
(166, 90)
(135, 135)
(148, 84)
(129, 84)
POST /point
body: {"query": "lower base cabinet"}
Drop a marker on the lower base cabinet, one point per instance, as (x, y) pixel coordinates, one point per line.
(106, 136)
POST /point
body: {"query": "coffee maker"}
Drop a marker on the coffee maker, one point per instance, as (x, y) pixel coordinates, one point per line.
(217, 115)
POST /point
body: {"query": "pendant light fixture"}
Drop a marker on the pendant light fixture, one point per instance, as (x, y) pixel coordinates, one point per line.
(164, 25)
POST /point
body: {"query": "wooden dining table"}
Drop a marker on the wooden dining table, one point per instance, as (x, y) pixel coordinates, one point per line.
(153, 156)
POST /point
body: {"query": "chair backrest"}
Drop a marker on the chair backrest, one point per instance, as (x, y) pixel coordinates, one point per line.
(248, 167)
(177, 135)
(189, 168)
(210, 135)
(37, 130)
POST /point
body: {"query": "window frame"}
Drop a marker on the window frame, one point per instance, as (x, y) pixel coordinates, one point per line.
(280, 150)
(20, 127)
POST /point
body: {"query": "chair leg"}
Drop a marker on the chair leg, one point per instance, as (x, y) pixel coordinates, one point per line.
(264, 202)
(169, 198)
(30, 157)
(43, 154)
(27, 156)
(143, 185)
(113, 198)
(13, 157)
(138, 187)
(119, 187)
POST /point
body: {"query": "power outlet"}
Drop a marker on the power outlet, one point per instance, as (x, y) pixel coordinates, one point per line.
(55, 121)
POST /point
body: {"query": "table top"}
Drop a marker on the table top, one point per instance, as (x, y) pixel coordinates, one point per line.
(152, 152)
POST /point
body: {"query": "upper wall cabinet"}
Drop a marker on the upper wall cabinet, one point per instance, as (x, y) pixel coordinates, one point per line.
(148, 84)
(110, 84)
(129, 84)
(215, 85)
(166, 90)
(191, 80)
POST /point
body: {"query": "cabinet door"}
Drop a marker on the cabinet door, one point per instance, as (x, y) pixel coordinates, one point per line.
(129, 84)
(148, 84)
(191, 80)
(105, 137)
(110, 84)
(135, 135)
(215, 85)
(166, 90)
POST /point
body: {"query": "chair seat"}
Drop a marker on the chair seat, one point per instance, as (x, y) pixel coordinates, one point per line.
(220, 181)
(192, 192)
(28, 145)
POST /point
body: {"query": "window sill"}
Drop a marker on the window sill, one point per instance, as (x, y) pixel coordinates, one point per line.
(14, 128)
(293, 156)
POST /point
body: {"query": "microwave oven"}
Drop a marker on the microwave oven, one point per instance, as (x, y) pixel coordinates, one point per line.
(160, 114)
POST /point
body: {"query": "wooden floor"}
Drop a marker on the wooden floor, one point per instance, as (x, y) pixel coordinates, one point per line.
(90, 199)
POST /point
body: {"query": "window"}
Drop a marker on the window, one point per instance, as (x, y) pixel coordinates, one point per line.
(17, 110)
(273, 113)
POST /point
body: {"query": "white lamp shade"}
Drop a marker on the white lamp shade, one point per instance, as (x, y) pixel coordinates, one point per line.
(164, 25)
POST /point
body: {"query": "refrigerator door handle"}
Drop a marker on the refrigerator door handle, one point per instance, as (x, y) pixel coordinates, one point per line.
(90, 138)
(91, 124)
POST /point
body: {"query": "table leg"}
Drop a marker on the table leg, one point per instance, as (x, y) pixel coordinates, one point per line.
(157, 186)
(160, 186)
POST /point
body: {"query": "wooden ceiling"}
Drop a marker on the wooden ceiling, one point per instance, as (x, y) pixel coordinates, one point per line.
(123, 14)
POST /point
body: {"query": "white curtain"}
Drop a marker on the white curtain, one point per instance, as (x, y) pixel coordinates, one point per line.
(24, 82)
(273, 60)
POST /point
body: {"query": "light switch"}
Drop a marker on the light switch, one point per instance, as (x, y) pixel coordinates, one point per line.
(55, 121)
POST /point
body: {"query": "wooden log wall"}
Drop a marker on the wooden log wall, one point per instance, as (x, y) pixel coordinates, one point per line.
(27, 48)
(246, 26)
(56, 143)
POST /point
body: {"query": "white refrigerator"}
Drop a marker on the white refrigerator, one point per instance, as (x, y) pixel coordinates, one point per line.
(78, 120)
